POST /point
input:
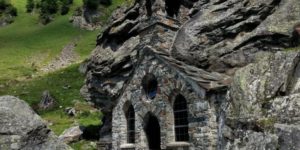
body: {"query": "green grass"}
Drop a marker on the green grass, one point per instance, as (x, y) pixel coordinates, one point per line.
(26, 46)
(31, 91)
(293, 49)
(86, 145)
(26, 42)
(108, 10)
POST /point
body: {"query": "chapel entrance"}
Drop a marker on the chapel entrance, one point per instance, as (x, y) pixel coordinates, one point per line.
(152, 130)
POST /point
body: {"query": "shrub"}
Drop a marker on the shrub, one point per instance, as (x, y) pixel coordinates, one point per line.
(91, 4)
(49, 6)
(105, 2)
(12, 11)
(30, 6)
(45, 18)
(78, 11)
(65, 6)
(70, 2)
(3, 4)
(38, 5)
(64, 9)
(7, 8)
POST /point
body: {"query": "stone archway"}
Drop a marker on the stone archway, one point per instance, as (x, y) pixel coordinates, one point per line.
(152, 130)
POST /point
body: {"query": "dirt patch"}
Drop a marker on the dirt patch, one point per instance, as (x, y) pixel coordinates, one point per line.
(67, 57)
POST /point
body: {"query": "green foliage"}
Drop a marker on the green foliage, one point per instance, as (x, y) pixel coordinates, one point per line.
(66, 2)
(65, 6)
(64, 9)
(27, 46)
(47, 9)
(78, 11)
(11, 10)
(293, 49)
(3, 4)
(37, 85)
(30, 6)
(49, 6)
(83, 145)
(267, 123)
(7, 9)
(105, 2)
(91, 4)
(45, 18)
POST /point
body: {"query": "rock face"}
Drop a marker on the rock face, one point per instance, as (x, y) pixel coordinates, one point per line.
(263, 109)
(239, 46)
(22, 128)
(228, 34)
(72, 134)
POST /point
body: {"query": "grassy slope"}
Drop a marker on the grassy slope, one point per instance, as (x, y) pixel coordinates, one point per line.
(25, 42)
(25, 46)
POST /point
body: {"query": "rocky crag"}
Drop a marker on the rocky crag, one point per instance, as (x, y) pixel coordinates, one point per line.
(245, 48)
(22, 128)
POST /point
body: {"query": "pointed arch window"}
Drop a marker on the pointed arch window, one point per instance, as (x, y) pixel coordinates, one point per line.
(181, 118)
(130, 124)
(150, 85)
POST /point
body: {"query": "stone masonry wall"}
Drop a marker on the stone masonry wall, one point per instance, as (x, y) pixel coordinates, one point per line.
(202, 118)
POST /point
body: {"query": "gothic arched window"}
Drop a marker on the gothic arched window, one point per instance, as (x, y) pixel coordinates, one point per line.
(181, 118)
(149, 83)
(130, 125)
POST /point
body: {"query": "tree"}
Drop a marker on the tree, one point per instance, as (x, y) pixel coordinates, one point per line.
(30, 6)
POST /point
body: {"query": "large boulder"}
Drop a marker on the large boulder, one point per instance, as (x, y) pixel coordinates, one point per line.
(22, 129)
(72, 134)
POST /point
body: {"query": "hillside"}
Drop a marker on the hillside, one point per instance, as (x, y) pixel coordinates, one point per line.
(33, 60)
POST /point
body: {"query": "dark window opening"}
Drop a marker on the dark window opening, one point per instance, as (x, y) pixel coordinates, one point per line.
(295, 41)
(149, 83)
(172, 7)
(181, 119)
(130, 125)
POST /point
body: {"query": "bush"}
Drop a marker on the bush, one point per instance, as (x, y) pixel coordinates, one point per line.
(78, 11)
(49, 6)
(12, 11)
(105, 2)
(38, 5)
(29, 6)
(7, 8)
(65, 6)
(91, 4)
(70, 2)
(64, 9)
(45, 18)
(3, 4)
